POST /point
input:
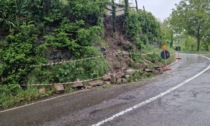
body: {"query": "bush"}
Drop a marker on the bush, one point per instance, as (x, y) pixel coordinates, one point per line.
(18, 53)
(69, 72)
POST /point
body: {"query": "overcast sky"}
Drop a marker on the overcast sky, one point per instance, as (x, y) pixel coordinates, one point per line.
(161, 9)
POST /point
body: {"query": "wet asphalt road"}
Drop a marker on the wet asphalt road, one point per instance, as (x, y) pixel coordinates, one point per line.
(188, 105)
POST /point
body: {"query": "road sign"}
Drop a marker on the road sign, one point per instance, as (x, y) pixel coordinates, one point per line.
(164, 47)
(165, 54)
(178, 48)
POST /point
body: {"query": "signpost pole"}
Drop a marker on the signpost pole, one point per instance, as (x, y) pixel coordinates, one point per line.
(165, 55)
(178, 48)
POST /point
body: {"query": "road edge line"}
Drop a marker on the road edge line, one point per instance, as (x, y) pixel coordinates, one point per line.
(153, 98)
(37, 102)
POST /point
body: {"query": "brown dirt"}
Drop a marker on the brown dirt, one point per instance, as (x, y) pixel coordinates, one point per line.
(118, 42)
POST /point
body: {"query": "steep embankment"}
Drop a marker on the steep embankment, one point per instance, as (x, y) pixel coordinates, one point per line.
(54, 46)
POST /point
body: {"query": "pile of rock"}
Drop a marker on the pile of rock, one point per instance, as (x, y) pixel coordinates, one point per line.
(119, 77)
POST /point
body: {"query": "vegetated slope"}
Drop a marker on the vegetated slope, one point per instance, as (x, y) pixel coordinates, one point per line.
(37, 38)
(125, 46)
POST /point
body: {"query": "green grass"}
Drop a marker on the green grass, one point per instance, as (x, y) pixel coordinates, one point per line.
(13, 95)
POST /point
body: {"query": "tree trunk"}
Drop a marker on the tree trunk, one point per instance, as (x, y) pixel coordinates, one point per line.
(198, 36)
(172, 40)
(136, 5)
(198, 43)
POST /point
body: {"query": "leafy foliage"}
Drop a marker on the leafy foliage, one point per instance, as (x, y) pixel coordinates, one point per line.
(17, 53)
(191, 16)
(32, 29)
(91, 11)
(143, 28)
(69, 72)
(34, 32)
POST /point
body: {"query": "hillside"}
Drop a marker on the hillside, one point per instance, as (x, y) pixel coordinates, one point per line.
(67, 44)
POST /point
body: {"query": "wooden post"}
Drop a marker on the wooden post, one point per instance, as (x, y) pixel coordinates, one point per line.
(126, 13)
(136, 5)
(146, 21)
(113, 15)
(126, 8)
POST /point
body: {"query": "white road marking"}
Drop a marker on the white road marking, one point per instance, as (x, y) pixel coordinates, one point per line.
(7, 110)
(152, 99)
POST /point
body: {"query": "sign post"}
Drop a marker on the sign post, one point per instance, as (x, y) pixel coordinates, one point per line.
(165, 55)
(178, 48)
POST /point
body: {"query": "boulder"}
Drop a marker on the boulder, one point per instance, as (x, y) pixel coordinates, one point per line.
(107, 77)
(59, 88)
(119, 81)
(155, 71)
(160, 70)
(95, 83)
(124, 80)
(42, 90)
(117, 65)
(78, 84)
(120, 74)
(113, 78)
(125, 54)
(148, 70)
(107, 82)
(124, 68)
(88, 87)
(129, 71)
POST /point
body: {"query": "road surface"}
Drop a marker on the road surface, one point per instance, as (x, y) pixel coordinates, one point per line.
(180, 97)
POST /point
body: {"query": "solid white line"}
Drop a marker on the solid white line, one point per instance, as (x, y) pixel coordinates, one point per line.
(153, 98)
(41, 101)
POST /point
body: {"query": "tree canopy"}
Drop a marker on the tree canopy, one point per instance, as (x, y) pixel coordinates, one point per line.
(192, 17)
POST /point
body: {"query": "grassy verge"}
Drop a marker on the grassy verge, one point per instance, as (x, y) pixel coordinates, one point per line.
(13, 95)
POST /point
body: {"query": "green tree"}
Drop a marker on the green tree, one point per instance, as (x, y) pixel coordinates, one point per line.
(167, 33)
(143, 28)
(192, 17)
